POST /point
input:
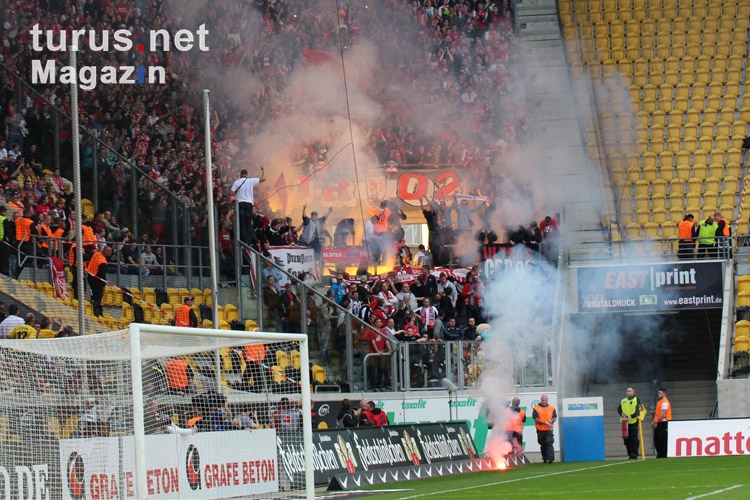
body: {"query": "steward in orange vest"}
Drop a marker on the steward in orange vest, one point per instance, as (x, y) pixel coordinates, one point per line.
(179, 375)
(97, 278)
(686, 233)
(515, 418)
(662, 416)
(185, 316)
(545, 417)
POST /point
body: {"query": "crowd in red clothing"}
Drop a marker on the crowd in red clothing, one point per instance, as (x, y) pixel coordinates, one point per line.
(460, 73)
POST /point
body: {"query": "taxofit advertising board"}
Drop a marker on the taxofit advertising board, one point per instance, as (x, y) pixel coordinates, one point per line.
(658, 287)
(708, 438)
(204, 465)
(469, 409)
(346, 451)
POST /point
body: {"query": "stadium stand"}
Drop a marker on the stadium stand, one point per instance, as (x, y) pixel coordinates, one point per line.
(667, 78)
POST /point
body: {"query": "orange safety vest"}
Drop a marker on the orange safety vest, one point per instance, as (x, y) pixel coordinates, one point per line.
(685, 230)
(726, 225)
(57, 234)
(194, 421)
(255, 352)
(667, 415)
(72, 255)
(23, 229)
(96, 261)
(515, 420)
(18, 207)
(182, 315)
(177, 374)
(88, 237)
(44, 230)
(545, 414)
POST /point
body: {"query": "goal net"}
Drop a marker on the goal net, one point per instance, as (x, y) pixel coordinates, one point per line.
(154, 412)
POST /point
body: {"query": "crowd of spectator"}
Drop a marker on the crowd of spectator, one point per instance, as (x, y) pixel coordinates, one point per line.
(463, 65)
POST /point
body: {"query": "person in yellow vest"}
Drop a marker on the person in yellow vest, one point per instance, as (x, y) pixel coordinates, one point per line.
(686, 233)
(184, 315)
(545, 416)
(97, 278)
(707, 238)
(629, 410)
(662, 416)
(25, 331)
(515, 418)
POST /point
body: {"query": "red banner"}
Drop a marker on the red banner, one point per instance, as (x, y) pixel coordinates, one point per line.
(59, 280)
(345, 255)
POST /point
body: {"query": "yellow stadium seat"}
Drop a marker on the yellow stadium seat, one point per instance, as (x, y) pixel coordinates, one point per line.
(659, 187)
(660, 214)
(278, 374)
(743, 283)
(734, 155)
(250, 325)
(642, 188)
(149, 295)
(742, 343)
(224, 325)
(695, 185)
(642, 216)
(713, 184)
(693, 200)
(173, 296)
(739, 127)
(197, 294)
(127, 312)
(711, 199)
(731, 184)
(167, 310)
(282, 359)
(693, 116)
(732, 172)
(207, 297)
(633, 231)
(722, 144)
(296, 359)
(231, 313)
(710, 115)
(742, 327)
(676, 213)
(220, 312)
(319, 374)
(706, 143)
(651, 230)
(674, 131)
(641, 203)
(182, 293)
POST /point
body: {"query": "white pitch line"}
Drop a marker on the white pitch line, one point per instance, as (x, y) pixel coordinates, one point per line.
(715, 492)
(421, 495)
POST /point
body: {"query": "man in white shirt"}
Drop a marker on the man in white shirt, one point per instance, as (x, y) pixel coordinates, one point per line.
(244, 189)
(13, 320)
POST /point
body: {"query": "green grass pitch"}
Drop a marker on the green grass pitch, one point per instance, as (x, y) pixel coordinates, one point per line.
(683, 478)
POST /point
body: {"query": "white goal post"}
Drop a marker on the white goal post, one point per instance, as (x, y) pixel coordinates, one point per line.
(154, 412)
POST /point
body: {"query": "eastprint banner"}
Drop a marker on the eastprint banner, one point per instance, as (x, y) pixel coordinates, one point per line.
(658, 287)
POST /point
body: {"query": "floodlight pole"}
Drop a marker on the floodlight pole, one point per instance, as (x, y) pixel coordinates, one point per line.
(211, 228)
(80, 273)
